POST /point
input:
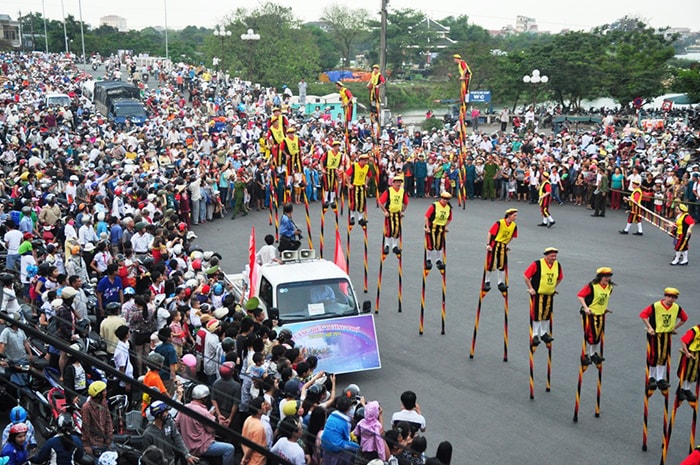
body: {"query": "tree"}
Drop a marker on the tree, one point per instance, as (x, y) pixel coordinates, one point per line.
(635, 60)
(345, 25)
(285, 53)
(327, 51)
(688, 81)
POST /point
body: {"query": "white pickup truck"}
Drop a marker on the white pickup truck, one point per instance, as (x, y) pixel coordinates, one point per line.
(315, 299)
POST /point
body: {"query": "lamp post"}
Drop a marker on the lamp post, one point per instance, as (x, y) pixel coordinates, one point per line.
(535, 78)
(222, 34)
(251, 37)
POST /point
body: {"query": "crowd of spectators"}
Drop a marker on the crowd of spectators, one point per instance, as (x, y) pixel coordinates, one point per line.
(84, 200)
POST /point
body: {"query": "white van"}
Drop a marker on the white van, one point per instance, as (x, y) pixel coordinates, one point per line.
(55, 99)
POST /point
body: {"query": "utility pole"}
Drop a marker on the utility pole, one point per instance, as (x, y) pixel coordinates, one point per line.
(382, 54)
(21, 39)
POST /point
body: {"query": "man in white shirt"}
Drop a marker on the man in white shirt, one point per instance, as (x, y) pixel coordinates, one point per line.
(267, 253)
(12, 238)
(410, 412)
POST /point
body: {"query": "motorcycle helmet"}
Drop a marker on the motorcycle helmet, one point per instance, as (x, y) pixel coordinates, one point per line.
(227, 369)
(189, 360)
(157, 408)
(155, 360)
(228, 344)
(218, 289)
(352, 391)
(96, 388)
(19, 428)
(65, 423)
(129, 291)
(200, 392)
(18, 414)
(113, 308)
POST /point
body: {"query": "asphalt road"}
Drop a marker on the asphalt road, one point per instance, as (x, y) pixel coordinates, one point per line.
(482, 405)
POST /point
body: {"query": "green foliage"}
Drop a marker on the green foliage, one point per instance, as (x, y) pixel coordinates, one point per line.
(435, 122)
(688, 81)
(346, 26)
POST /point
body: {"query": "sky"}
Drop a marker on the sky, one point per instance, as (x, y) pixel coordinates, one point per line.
(550, 16)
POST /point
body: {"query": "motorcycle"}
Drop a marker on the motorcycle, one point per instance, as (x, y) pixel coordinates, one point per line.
(22, 384)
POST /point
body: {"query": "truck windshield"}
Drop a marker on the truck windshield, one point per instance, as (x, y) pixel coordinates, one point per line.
(129, 110)
(311, 300)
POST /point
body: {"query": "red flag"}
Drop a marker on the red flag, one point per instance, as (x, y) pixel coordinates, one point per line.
(339, 258)
(253, 266)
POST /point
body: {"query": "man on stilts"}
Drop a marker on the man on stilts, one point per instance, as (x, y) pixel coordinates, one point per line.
(661, 319)
(594, 298)
(346, 102)
(545, 200)
(500, 235)
(331, 162)
(542, 278)
(376, 81)
(635, 210)
(688, 365)
(437, 219)
(358, 182)
(393, 203)
(684, 228)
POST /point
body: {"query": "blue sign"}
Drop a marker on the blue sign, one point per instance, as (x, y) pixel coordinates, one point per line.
(480, 96)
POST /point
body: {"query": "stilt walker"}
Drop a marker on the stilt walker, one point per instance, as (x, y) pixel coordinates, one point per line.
(308, 220)
(375, 84)
(331, 163)
(358, 180)
(437, 219)
(683, 229)
(594, 298)
(465, 75)
(661, 319)
(687, 383)
(426, 271)
(346, 100)
(542, 278)
(501, 233)
(275, 138)
(393, 203)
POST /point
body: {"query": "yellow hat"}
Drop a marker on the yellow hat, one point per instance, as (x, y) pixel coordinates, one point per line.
(291, 129)
(545, 174)
(604, 270)
(277, 109)
(635, 181)
(682, 207)
(446, 195)
(671, 291)
(398, 177)
(335, 142)
(364, 156)
(457, 55)
(338, 83)
(510, 211)
(375, 66)
(549, 250)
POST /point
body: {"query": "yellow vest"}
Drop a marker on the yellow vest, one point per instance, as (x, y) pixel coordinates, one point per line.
(277, 133)
(694, 345)
(665, 320)
(679, 224)
(359, 174)
(505, 231)
(333, 160)
(600, 299)
(292, 145)
(548, 278)
(542, 186)
(395, 200)
(442, 214)
(344, 96)
(374, 78)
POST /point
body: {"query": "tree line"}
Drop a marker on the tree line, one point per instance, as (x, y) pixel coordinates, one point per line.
(623, 60)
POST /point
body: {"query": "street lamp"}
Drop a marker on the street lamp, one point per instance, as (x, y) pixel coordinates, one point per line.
(251, 37)
(535, 78)
(221, 33)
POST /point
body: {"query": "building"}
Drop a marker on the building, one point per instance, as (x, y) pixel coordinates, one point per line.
(117, 22)
(9, 31)
(525, 24)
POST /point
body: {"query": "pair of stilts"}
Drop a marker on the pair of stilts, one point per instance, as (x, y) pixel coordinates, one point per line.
(427, 267)
(678, 399)
(386, 250)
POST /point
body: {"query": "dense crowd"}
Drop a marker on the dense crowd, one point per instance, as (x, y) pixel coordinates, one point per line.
(84, 200)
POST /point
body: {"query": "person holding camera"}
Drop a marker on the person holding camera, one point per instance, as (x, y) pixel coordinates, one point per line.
(290, 235)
